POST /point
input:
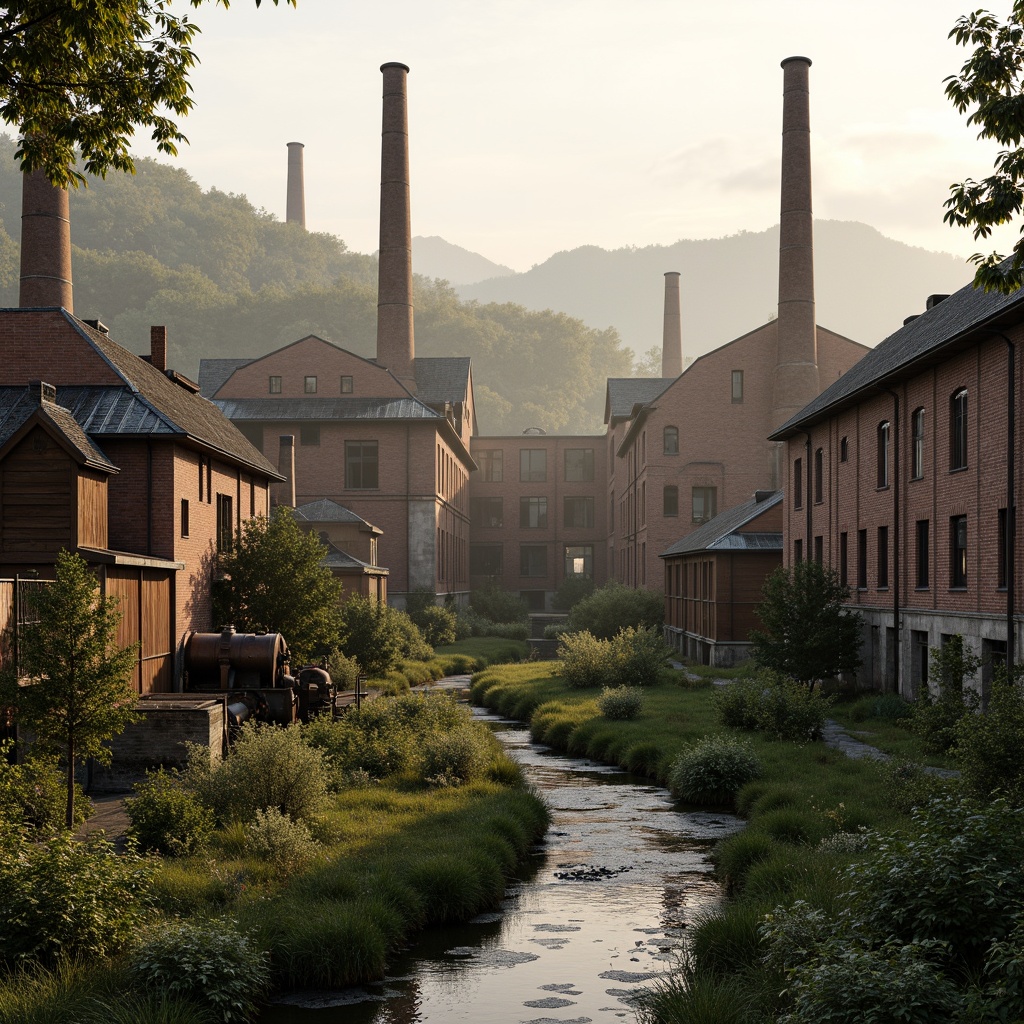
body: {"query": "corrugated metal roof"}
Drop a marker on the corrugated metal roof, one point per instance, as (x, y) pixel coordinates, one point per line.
(720, 532)
(290, 409)
(964, 312)
(17, 407)
(213, 374)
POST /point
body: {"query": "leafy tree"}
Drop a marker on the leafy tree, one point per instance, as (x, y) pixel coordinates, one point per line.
(80, 690)
(807, 634)
(83, 74)
(613, 607)
(991, 86)
(372, 634)
(276, 583)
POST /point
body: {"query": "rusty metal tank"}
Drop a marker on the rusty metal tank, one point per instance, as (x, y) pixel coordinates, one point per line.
(236, 661)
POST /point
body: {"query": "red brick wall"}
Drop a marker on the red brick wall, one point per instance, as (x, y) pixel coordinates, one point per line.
(43, 345)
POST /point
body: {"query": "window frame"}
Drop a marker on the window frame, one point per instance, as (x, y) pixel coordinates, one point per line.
(575, 502)
(346, 379)
(356, 457)
(737, 392)
(274, 385)
(670, 501)
(917, 444)
(705, 492)
(481, 511)
(585, 469)
(225, 524)
(309, 384)
(587, 557)
(529, 504)
(526, 552)
(490, 460)
(958, 552)
(526, 461)
(670, 440)
(958, 436)
(884, 440)
(922, 540)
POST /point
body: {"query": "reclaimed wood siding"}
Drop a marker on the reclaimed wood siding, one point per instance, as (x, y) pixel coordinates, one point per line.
(145, 603)
(36, 497)
(92, 510)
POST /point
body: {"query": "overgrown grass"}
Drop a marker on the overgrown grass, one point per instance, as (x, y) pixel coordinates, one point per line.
(871, 719)
(488, 650)
(459, 658)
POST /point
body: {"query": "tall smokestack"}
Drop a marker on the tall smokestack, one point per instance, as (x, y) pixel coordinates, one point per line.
(45, 243)
(395, 343)
(796, 368)
(672, 335)
(296, 209)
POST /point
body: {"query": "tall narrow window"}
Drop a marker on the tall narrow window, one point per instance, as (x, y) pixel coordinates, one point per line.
(798, 550)
(798, 483)
(923, 554)
(309, 386)
(883, 557)
(346, 384)
(844, 552)
(819, 473)
(883, 454)
(737, 386)
(361, 464)
(862, 559)
(958, 427)
(844, 448)
(670, 500)
(225, 523)
(275, 385)
(819, 549)
(705, 503)
(184, 517)
(917, 452)
(670, 441)
(958, 551)
(1001, 549)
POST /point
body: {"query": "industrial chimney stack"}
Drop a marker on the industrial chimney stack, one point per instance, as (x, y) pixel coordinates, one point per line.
(45, 244)
(796, 368)
(672, 336)
(395, 342)
(296, 209)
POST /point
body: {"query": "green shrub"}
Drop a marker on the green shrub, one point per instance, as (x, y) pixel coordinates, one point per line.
(639, 655)
(507, 630)
(935, 719)
(727, 940)
(437, 625)
(712, 770)
(498, 605)
(412, 644)
(208, 962)
(613, 607)
(907, 785)
(59, 897)
(585, 660)
(688, 996)
(372, 635)
(275, 838)
(770, 703)
(167, 817)
(34, 793)
(988, 747)
(554, 630)
(621, 703)
(572, 590)
(344, 670)
(266, 766)
(457, 756)
(735, 856)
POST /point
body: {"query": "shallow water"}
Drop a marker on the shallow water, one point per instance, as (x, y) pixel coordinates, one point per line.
(598, 914)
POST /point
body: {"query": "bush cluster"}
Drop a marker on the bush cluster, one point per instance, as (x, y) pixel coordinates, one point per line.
(572, 590)
(285, 844)
(712, 771)
(770, 703)
(34, 794)
(168, 817)
(988, 747)
(935, 719)
(633, 657)
(497, 605)
(613, 607)
(621, 703)
(378, 636)
(457, 756)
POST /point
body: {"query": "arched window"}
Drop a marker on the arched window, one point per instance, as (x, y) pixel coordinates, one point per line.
(670, 500)
(917, 451)
(671, 441)
(958, 429)
(883, 454)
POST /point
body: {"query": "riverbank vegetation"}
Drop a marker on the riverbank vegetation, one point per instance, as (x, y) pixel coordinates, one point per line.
(305, 859)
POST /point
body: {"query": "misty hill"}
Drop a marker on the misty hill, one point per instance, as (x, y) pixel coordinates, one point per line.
(432, 256)
(865, 285)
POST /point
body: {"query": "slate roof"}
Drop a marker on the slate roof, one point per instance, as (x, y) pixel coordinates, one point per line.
(17, 407)
(345, 408)
(326, 511)
(925, 339)
(442, 379)
(625, 393)
(338, 559)
(719, 534)
(214, 373)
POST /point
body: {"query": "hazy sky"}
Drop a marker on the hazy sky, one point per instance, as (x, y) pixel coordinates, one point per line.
(541, 125)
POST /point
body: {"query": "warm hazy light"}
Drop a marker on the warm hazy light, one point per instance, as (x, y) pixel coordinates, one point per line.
(541, 125)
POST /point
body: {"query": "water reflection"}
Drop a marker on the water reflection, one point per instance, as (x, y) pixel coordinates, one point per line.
(599, 912)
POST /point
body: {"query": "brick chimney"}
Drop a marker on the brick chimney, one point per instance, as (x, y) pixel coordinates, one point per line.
(395, 343)
(296, 209)
(672, 335)
(284, 493)
(158, 348)
(796, 367)
(45, 244)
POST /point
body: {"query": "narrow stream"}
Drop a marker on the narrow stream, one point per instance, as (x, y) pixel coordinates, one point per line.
(598, 913)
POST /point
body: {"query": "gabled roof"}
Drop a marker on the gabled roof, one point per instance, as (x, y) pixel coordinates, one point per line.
(17, 408)
(966, 315)
(720, 533)
(326, 511)
(624, 394)
(345, 408)
(442, 379)
(338, 559)
(214, 373)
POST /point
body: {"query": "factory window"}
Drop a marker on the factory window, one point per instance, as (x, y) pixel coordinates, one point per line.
(737, 386)
(361, 464)
(275, 385)
(225, 523)
(486, 512)
(184, 517)
(579, 465)
(923, 554)
(862, 559)
(485, 560)
(883, 557)
(704, 503)
(490, 462)
(844, 448)
(917, 451)
(533, 560)
(533, 465)
(958, 551)
(798, 550)
(578, 512)
(346, 385)
(844, 554)
(309, 434)
(533, 513)
(883, 454)
(579, 560)
(958, 427)
(670, 441)
(798, 483)
(670, 500)
(310, 386)
(819, 474)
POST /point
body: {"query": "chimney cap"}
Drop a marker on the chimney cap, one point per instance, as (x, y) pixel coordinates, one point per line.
(41, 392)
(789, 60)
(300, 144)
(395, 64)
(672, 273)
(934, 300)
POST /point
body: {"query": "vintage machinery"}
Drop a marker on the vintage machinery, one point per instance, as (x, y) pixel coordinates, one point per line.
(251, 671)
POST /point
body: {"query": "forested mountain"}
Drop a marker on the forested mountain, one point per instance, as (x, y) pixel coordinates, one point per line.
(434, 257)
(229, 280)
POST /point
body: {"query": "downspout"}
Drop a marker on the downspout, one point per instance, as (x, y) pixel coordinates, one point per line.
(897, 480)
(1011, 511)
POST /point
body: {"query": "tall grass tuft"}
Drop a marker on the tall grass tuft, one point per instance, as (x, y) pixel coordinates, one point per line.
(692, 997)
(452, 889)
(727, 940)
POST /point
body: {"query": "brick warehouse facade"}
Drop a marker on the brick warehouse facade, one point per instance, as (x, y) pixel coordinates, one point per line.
(900, 476)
